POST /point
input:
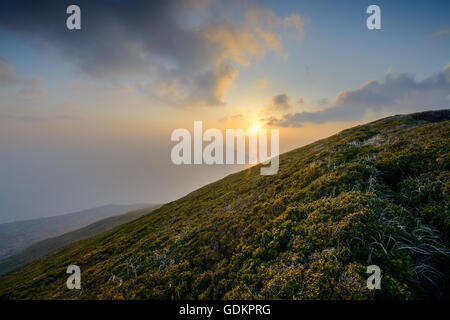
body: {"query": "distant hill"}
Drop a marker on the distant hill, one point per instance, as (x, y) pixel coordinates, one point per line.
(376, 194)
(16, 236)
(46, 246)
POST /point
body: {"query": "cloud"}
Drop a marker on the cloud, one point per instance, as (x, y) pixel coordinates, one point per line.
(395, 93)
(21, 118)
(27, 86)
(233, 117)
(258, 15)
(179, 52)
(65, 117)
(297, 22)
(8, 76)
(442, 32)
(279, 102)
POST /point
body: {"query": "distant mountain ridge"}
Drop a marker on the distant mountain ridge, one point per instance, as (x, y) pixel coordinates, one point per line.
(46, 246)
(15, 236)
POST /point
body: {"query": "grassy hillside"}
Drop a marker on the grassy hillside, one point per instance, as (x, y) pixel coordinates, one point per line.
(373, 194)
(49, 245)
(15, 236)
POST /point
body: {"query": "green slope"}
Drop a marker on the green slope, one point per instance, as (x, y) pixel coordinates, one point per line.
(51, 244)
(374, 194)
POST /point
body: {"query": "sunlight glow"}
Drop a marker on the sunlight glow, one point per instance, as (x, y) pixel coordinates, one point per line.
(255, 127)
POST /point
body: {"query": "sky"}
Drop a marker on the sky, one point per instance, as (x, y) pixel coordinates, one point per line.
(86, 115)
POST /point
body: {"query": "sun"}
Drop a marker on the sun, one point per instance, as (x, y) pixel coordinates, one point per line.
(255, 127)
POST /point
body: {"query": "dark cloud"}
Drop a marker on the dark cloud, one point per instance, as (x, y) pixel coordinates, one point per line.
(400, 93)
(280, 102)
(179, 51)
(116, 36)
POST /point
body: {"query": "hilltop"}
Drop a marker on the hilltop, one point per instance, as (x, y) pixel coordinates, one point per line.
(375, 194)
